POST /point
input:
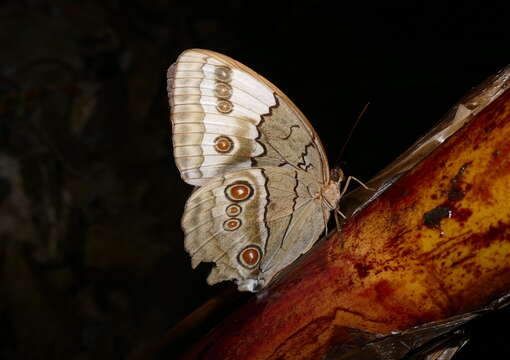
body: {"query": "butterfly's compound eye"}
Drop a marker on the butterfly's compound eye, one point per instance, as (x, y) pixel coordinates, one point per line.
(336, 175)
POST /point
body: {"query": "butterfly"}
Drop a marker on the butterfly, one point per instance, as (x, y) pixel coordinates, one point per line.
(264, 187)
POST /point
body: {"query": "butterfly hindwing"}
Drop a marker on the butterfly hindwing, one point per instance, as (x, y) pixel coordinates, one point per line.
(252, 223)
(225, 117)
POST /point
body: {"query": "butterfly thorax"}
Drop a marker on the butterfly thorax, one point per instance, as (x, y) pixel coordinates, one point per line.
(330, 194)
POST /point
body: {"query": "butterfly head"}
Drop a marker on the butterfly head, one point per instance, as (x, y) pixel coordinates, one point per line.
(336, 175)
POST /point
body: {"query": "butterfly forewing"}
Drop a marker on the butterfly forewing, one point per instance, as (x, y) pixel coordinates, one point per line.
(225, 117)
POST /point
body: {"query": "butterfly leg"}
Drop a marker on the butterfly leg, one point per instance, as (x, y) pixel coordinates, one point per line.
(340, 213)
(348, 181)
(338, 223)
(337, 220)
(325, 222)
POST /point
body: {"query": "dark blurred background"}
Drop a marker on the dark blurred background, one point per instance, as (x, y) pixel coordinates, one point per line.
(92, 259)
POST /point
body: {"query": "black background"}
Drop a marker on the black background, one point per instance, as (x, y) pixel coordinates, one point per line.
(93, 264)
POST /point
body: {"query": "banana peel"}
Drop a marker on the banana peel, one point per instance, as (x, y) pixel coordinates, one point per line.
(434, 245)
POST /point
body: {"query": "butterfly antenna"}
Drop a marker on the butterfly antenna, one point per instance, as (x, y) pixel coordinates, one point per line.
(351, 132)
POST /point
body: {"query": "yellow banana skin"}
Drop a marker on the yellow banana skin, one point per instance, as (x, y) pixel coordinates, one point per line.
(435, 244)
